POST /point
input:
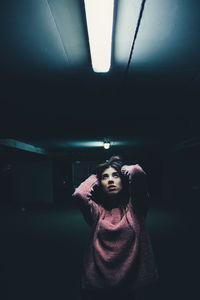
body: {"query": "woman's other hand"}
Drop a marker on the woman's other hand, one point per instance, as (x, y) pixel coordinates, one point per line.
(131, 170)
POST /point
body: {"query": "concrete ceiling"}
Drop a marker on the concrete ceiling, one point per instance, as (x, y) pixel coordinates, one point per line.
(51, 96)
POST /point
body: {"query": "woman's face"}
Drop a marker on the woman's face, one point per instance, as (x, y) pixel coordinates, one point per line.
(111, 181)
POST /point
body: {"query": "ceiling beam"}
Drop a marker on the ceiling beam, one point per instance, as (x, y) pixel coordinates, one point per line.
(22, 146)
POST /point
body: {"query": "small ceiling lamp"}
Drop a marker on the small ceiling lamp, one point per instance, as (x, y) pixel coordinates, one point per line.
(106, 145)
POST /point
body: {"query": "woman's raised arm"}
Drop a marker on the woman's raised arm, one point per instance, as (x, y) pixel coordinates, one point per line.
(85, 193)
(138, 187)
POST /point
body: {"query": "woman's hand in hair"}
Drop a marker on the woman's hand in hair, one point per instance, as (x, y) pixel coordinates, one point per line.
(130, 170)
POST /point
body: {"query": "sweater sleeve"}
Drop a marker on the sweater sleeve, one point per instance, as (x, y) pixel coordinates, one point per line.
(138, 188)
(84, 193)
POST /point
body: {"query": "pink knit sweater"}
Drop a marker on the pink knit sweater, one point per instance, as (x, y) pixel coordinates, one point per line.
(119, 253)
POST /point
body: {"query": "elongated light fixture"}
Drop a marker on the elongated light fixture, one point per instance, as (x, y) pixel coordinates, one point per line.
(99, 15)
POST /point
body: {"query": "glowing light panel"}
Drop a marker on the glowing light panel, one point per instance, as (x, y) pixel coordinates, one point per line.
(99, 15)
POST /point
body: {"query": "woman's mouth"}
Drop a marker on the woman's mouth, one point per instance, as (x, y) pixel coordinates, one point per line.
(112, 187)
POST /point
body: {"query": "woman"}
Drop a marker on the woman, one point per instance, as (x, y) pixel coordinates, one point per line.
(118, 259)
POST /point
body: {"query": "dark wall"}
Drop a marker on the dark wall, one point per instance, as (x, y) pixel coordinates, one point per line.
(62, 181)
(32, 182)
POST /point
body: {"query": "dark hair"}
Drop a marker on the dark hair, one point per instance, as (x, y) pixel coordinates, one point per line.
(115, 162)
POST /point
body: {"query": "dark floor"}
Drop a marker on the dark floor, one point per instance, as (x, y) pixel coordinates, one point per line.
(42, 248)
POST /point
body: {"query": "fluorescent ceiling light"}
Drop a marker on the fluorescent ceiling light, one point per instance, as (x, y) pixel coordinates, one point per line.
(99, 15)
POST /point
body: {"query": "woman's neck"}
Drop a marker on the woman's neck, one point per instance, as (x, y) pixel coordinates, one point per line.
(113, 201)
